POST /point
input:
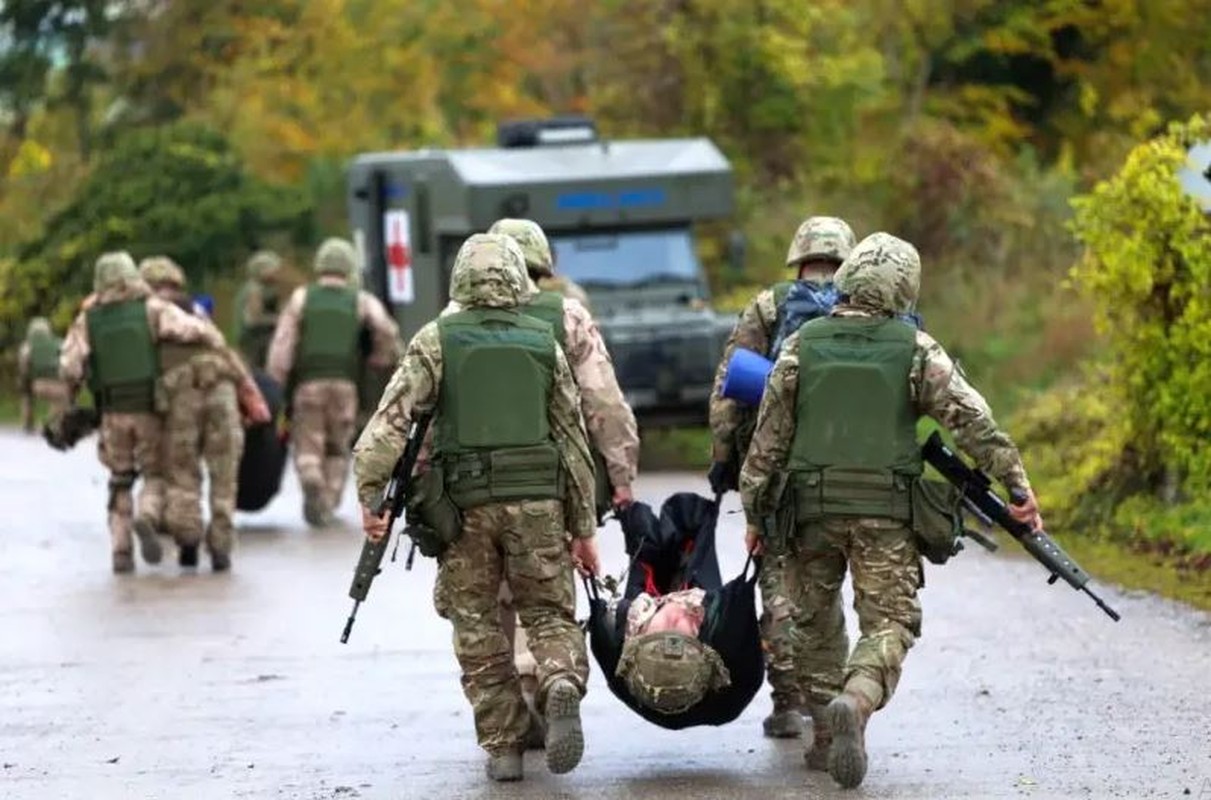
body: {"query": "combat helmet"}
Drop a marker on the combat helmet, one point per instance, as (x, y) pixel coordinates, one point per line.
(828, 238)
(670, 672)
(263, 264)
(489, 271)
(532, 241)
(38, 326)
(883, 273)
(336, 256)
(114, 270)
(162, 271)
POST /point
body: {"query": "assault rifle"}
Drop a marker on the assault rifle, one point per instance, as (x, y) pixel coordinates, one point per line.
(370, 563)
(977, 488)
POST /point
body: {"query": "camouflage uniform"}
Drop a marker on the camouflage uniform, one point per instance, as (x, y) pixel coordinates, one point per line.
(880, 279)
(818, 239)
(35, 376)
(257, 306)
(130, 443)
(202, 423)
(609, 419)
(325, 409)
(522, 542)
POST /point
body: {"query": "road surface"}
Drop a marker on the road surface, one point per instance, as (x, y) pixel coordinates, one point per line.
(172, 685)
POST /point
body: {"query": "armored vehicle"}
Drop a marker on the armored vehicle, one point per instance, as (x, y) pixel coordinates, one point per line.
(620, 215)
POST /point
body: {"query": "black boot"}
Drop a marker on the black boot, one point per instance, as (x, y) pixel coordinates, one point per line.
(188, 555)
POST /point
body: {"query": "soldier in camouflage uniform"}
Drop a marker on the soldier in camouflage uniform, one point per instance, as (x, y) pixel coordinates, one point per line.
(540, 262)
(113, 342)
(318, 349)
(817, 249)
(38, 373)
(257, 306)
(501, 391)
(202, 389)
(611, 423)
(838, 451)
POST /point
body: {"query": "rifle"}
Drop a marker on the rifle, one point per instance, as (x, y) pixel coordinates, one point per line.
(977, 489)
(369, 563)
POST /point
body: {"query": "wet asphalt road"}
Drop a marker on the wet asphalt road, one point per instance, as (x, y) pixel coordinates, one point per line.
(176, 685)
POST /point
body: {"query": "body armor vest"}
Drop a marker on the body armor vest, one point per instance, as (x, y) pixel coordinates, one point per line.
(329, 344)
(123, 359)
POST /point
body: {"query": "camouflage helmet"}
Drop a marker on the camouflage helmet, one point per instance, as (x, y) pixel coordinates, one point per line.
(670, 672)
(531, 240)
(162, 271)
(263, 264)
(828, 238)
(38, 326)
(114, 270)
(883, 273)
(490, 272)
(336, 256)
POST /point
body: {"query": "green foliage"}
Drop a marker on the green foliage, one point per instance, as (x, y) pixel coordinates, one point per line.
(178, 190)
(1145, 271)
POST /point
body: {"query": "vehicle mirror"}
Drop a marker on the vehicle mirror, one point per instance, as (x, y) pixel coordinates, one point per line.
(737, 248)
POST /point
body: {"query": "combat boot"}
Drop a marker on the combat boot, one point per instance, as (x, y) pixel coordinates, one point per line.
(149, 542)
(565, 737)
(784, 722)
(816, 754)
(506, 766)
(846, 718)
(219, 561)
(124, 562)
(314, 512)
(187, 556)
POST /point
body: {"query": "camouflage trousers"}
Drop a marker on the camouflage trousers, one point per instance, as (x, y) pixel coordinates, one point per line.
(523, 544)
(129, 445)
(778, 611)
(203, 425)
(45, 390)
(322, 425)
(886, 571)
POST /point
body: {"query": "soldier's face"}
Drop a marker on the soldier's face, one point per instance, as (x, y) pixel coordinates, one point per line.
(675, 618)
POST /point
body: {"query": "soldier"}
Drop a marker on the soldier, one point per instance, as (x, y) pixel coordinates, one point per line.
(819, 247)
(503, 394)
(610, 421)
(540, 262)
(203, 389)
(865, 370)
(317, 351)
(38, 373)
(257, 306)
(114, 341)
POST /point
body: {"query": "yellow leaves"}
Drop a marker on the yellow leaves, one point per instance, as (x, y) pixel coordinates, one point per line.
(31, 158)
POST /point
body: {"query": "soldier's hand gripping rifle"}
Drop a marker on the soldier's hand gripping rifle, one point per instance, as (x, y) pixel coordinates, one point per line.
(977, 488)
(370, 563)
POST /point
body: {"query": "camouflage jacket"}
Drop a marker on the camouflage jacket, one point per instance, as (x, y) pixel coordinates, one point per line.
(413, 390)
(938, 389)
(753, 331)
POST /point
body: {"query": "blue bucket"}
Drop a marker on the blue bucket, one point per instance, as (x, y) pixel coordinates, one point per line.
(744, 380)
(205, 302)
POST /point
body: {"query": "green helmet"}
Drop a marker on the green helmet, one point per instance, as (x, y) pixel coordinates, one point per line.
(336, 257)
(490, 271)
(883, 273)
(670, 672)
(38, 326)
(263, 264)
(162, 271)
(828, 238)
(114, 270)
(531, 240)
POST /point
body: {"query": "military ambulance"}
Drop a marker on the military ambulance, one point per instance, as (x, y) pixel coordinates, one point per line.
(620, 215)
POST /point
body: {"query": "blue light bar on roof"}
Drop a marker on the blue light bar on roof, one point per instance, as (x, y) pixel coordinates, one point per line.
(627, 198)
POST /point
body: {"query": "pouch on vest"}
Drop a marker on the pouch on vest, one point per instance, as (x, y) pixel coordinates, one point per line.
(937, 522)
(852, 493)
(434, 522)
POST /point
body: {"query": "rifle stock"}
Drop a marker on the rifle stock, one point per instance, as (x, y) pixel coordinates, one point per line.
(977, 489)
(370, 561)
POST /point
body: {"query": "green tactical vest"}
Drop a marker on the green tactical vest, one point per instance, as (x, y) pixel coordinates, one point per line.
(328, 347)
(855, 451)
(493, 438)
(123, 359)
(548, 307)
(254, 339)
(44, 356)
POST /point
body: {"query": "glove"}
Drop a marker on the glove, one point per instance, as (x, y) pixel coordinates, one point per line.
(252, 403)
(724, 476)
